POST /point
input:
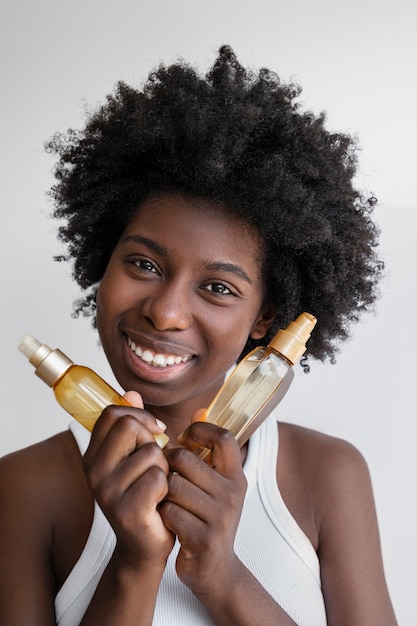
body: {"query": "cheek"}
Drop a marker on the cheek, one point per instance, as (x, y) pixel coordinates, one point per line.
(229, 339)
(99, 312)
(105, 304)
(110, 290)
(101, 295)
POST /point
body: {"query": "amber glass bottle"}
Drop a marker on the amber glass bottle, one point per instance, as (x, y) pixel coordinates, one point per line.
(78, 389)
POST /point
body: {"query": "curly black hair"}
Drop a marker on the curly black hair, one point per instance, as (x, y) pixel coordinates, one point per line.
(238, 137)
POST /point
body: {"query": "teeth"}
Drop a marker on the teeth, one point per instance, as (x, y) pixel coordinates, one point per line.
(147, 356)
(158, 360)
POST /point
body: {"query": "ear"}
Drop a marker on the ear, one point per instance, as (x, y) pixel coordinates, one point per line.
(263, 321)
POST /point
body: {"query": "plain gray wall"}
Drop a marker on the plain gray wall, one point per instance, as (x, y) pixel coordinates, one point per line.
(356, 61)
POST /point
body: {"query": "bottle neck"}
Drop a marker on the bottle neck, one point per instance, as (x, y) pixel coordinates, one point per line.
(279, 354)
(51, 365)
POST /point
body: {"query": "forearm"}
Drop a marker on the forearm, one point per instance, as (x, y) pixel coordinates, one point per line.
(243, 602)
(125, 595)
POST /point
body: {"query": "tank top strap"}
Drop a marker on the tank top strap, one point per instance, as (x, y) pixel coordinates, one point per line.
(272, 499)
(78, 588)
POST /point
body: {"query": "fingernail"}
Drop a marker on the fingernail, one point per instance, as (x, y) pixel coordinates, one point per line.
(161, 425)
(181, 438)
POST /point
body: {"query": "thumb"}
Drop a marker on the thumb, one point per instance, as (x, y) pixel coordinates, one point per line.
(134, 398)
(199, 416)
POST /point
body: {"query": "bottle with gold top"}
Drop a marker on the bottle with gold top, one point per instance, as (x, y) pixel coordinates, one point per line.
(259, 382)
(78, 389)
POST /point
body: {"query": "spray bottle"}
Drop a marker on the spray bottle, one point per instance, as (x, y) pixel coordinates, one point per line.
(258, 382)
(79, 390)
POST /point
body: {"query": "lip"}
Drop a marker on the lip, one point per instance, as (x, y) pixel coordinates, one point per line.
(157, 359)
(169, 361)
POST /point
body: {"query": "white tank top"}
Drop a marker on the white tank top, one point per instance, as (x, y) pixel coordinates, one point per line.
(268, 541)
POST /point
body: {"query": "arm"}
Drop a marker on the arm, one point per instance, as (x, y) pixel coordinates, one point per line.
(127, 474)
(203, 508)
(45, 517)
(352, 572)
(27, 582)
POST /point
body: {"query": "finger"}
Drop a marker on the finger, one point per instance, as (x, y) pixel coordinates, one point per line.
(120, 463)
(136, 465)
(185, 463)
(188, 495)
(189, 474)
(112, 414)
(199, 415)
(187, 507)
(225, 454)
(134, 398)
(182, 522)
(140, 481)
(117, 437)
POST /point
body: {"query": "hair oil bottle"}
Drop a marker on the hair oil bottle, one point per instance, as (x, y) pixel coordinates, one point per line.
(259, 382)
(78, 389)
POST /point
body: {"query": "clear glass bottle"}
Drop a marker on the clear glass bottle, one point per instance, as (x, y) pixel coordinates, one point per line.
(259, 382)
(78, 389)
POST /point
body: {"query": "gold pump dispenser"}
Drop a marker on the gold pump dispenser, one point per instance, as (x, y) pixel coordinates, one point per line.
(259, 382)
(291, 342)
(78, 389)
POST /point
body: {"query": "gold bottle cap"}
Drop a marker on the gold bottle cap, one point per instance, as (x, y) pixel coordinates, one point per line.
(50, 365)
(290, 342)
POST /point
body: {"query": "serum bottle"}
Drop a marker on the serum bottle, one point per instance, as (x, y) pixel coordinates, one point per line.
(78, 389)
(259, 382)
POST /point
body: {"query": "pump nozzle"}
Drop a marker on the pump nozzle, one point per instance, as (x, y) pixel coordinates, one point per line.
(29, 345)
(50, 365)
(290, 342)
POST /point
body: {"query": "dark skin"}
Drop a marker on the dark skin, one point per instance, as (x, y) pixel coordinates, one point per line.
(200, 302)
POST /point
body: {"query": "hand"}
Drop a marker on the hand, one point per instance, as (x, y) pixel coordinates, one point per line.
(127, 474)
(203, 506)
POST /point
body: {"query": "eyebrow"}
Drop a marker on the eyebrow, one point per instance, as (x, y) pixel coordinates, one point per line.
(222, 266)
(149, 243)
(215, 266)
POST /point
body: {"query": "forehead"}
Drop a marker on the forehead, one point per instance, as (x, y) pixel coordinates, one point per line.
(197, 224)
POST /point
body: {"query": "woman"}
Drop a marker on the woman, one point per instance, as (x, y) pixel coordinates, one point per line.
(202, 214)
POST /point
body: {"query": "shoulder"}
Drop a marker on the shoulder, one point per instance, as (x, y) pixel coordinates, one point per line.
(33, 476)
(313, 471)
(36, 487)
(326, 484)
(46, 510)
(57, 451)
(318, 451)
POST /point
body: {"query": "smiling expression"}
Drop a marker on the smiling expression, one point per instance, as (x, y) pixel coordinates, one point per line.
(181, 294)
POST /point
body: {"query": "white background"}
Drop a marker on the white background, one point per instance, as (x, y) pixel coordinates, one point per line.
(355, 60)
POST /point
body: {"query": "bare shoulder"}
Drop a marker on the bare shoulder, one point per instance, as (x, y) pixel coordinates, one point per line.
(44, 486)
(313, 470)
(41, 491)
(313, 443)
(326, 457)
(327, 486)
(37, 468)
(37, 482)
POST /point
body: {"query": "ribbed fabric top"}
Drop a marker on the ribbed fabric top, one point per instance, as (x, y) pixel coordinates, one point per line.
(269, 542)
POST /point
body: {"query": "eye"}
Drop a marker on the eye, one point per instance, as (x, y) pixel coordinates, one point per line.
(143, 264)
(219, 289)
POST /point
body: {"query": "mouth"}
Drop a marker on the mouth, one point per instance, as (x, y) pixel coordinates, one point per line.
(157, 359)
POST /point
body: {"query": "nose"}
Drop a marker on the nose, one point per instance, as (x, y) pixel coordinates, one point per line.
(168, 307)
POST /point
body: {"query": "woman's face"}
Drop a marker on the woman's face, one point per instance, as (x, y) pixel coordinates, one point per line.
(181, 294)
